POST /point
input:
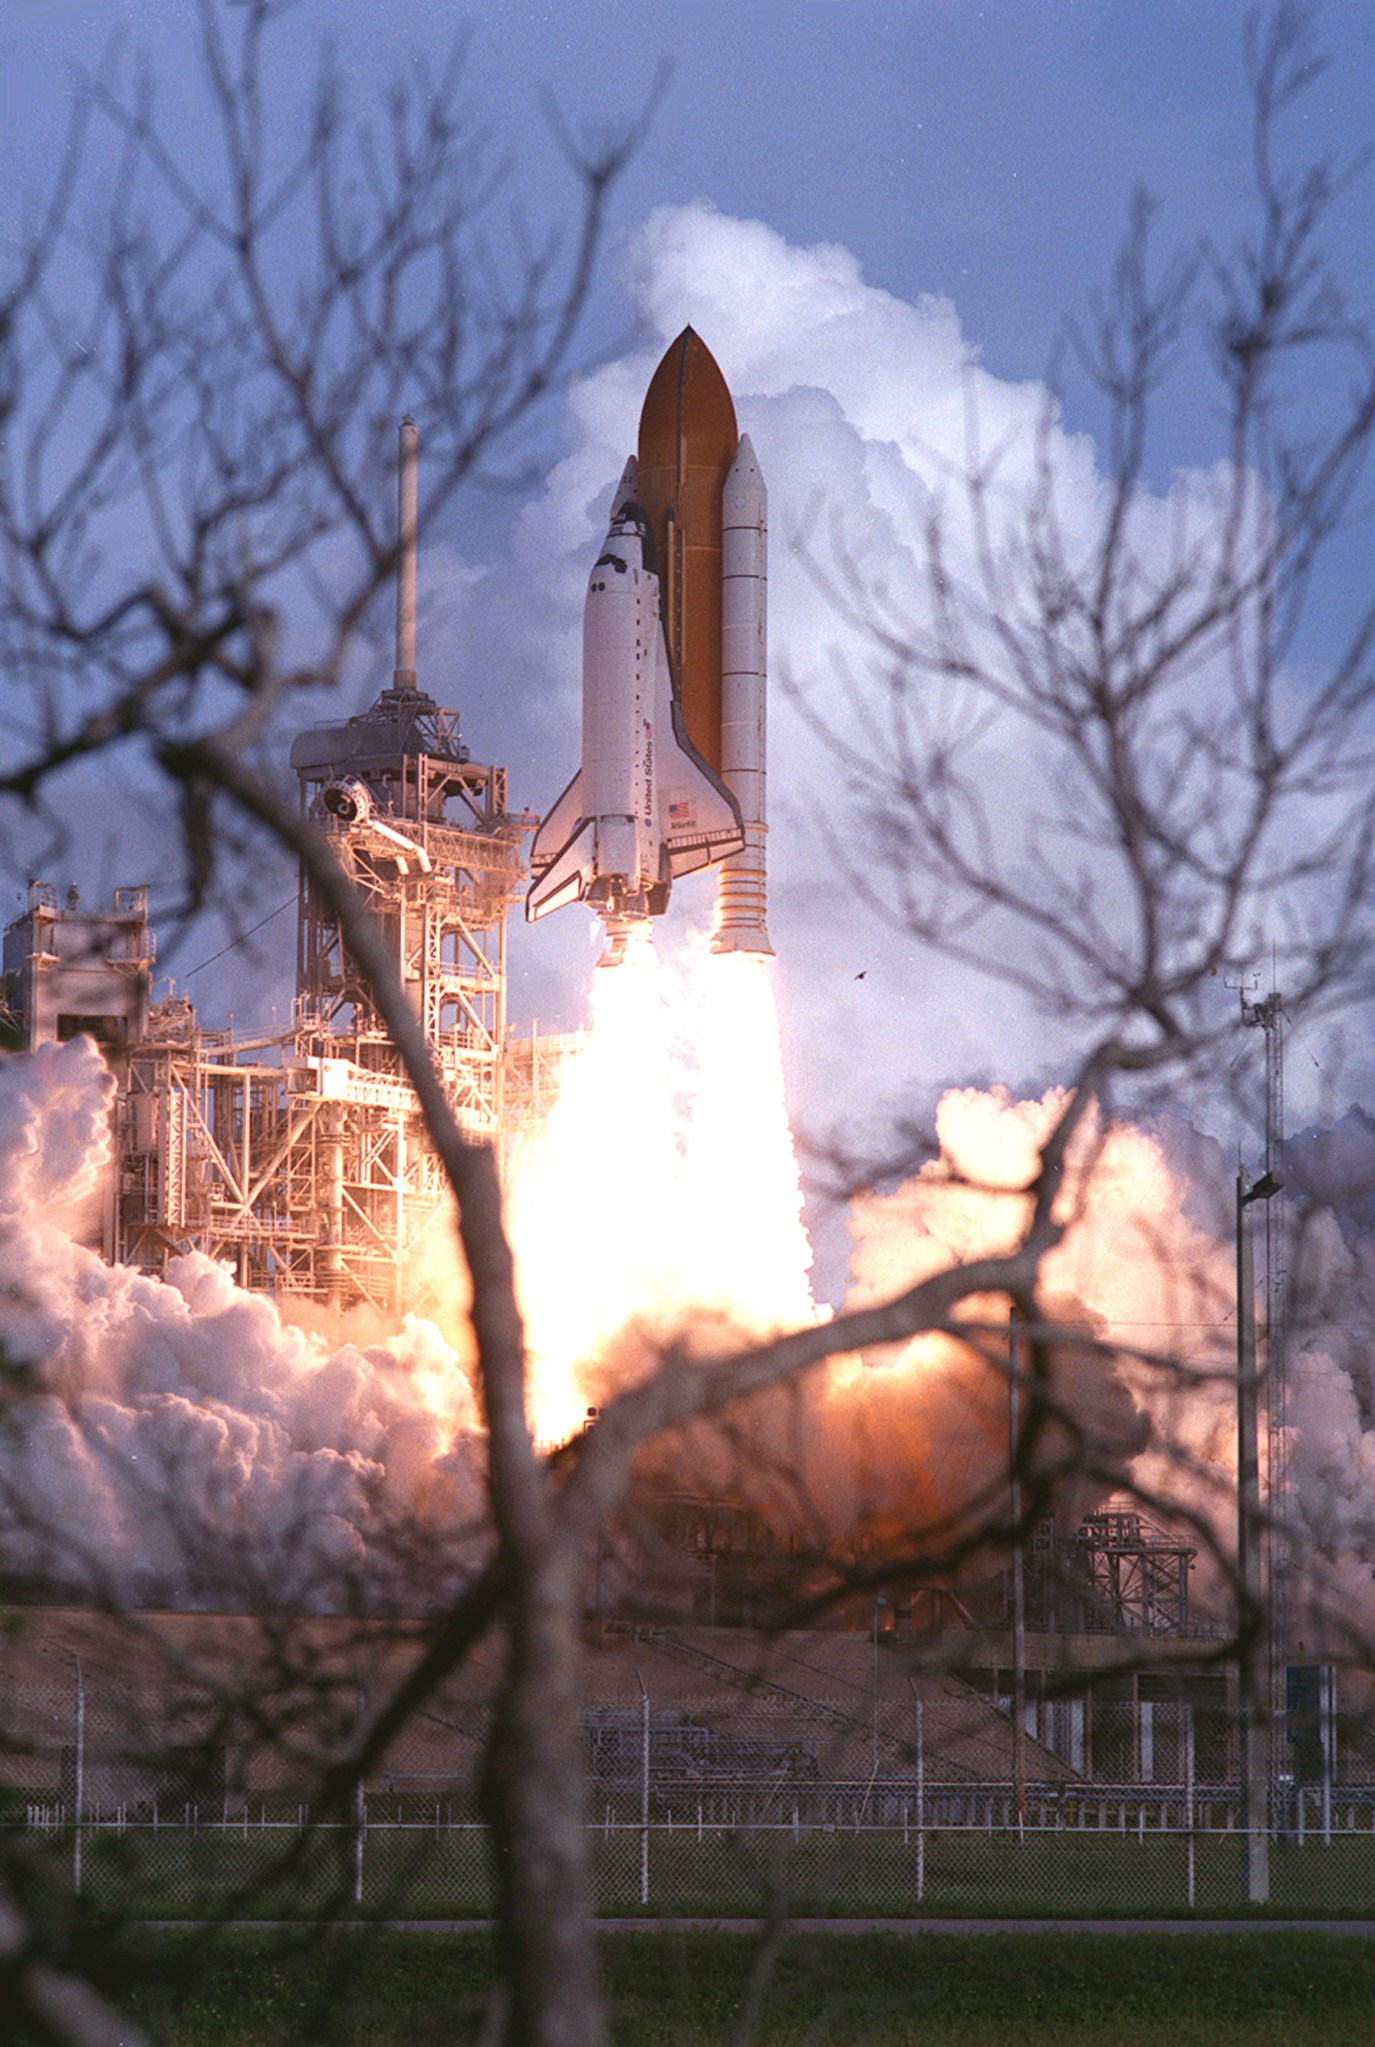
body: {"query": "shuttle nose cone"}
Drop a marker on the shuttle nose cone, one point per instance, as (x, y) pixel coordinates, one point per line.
(687, 418)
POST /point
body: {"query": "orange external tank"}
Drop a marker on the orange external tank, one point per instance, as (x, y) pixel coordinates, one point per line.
(688, 440)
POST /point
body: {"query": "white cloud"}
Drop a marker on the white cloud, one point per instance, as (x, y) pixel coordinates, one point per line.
(859, 407)
(856, 404)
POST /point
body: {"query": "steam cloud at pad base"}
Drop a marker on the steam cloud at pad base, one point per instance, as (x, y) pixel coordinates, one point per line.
(178, 1442)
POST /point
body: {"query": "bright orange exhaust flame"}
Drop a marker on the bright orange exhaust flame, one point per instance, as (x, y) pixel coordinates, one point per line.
(663, 1181)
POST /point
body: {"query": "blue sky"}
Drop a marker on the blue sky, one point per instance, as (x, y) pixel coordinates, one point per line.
(982, 154)
(983, 151)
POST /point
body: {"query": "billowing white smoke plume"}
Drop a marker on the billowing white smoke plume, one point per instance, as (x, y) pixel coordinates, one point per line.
(178, 1443)
(1149, 1266)
(853, 400)
(1330, 1176)
(1331, 1405)
(860, 406)
(1133, 1272)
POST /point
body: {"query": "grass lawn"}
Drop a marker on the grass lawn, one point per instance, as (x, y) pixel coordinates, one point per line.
(383, 1989)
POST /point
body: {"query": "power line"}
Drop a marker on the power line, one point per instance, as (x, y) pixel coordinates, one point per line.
(242, 939)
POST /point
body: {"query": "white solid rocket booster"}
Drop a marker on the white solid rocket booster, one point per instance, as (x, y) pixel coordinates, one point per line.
(741, 888)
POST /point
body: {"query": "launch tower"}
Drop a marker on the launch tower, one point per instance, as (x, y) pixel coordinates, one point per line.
(301, 1159)
(425, 834)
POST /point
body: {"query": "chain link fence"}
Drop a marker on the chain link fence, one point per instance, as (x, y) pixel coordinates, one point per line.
(714, 1808)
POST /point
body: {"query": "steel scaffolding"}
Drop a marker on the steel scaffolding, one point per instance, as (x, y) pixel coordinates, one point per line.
(303, 1160)
(1137, 1576)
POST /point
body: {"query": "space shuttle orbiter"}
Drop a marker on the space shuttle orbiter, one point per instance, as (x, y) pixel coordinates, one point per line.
(644, 808)
(672, 774)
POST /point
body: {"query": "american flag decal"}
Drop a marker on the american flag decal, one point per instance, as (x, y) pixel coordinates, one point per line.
(678, 811)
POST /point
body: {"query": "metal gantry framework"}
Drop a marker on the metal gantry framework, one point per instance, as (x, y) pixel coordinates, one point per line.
(425, 835)
(303, 1161)
(291, 1172)
(1137, 1575)
(72, 971)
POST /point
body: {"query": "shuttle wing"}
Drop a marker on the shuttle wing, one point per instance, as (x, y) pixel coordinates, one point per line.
(561, 855)
(567, 877)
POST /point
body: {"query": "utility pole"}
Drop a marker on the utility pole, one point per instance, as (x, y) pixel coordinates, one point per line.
(1267, 1015)
(1252, 1613)
(1014, 1366)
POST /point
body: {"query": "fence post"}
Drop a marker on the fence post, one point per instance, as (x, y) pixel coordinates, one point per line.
(79, 1794)
(921, 1794)
(360, 1810)
(1327, 1696)
(1189, 1798)
(1018, 1574)
(644, 1791)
